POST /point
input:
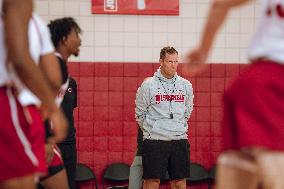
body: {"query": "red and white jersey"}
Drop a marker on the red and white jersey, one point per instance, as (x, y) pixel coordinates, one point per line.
(39, 44)
(268, 40)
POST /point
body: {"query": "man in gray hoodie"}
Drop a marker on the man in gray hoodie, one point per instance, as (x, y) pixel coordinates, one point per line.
(164, 103)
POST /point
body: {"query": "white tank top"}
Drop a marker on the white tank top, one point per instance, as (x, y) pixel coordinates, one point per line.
(268, 41)
(39, 44)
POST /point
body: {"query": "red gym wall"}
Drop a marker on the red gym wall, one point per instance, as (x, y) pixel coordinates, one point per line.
(106, 127)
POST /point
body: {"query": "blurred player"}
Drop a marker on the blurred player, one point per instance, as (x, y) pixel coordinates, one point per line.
(18, 163)
(253, 104)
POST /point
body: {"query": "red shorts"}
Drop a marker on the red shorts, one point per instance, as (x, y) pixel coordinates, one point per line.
(38, 138)
(57, 159)
(254, 108)
(56, 164)
(17, 158)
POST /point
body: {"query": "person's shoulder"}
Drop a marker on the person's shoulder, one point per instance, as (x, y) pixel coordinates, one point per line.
(72, 81)
(39, 22)
(60, 60)
(36, 17)
(147, 81)
(184, 81)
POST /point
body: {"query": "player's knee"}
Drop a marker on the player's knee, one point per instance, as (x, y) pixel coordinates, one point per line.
(178, 184)
(151, 184)
(26, 182)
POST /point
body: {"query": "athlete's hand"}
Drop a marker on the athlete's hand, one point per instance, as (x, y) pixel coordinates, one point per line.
(196, 61)
(47, 109)
(58, 125)
(49, 153)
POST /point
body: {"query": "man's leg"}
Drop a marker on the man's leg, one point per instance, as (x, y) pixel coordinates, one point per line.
(179, 164)
(151, 183)
(178, 184)
(26, 182)
(235, 171)
(155, 158)
(271, 165)
(57, 181)
(136, 173)
(69, 156)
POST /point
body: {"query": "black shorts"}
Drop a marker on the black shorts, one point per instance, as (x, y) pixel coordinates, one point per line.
(158, 157)
(53, 170)
(69, 156)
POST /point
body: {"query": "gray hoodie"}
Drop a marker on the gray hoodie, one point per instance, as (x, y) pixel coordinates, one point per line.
(158, 98)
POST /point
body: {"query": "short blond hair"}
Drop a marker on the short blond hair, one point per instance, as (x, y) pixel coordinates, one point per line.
(167, 50)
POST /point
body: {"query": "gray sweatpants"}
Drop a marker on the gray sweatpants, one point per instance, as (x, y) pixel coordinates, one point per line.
(136, 173)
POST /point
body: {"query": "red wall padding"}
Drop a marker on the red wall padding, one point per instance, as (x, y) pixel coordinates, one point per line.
(106, 127)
